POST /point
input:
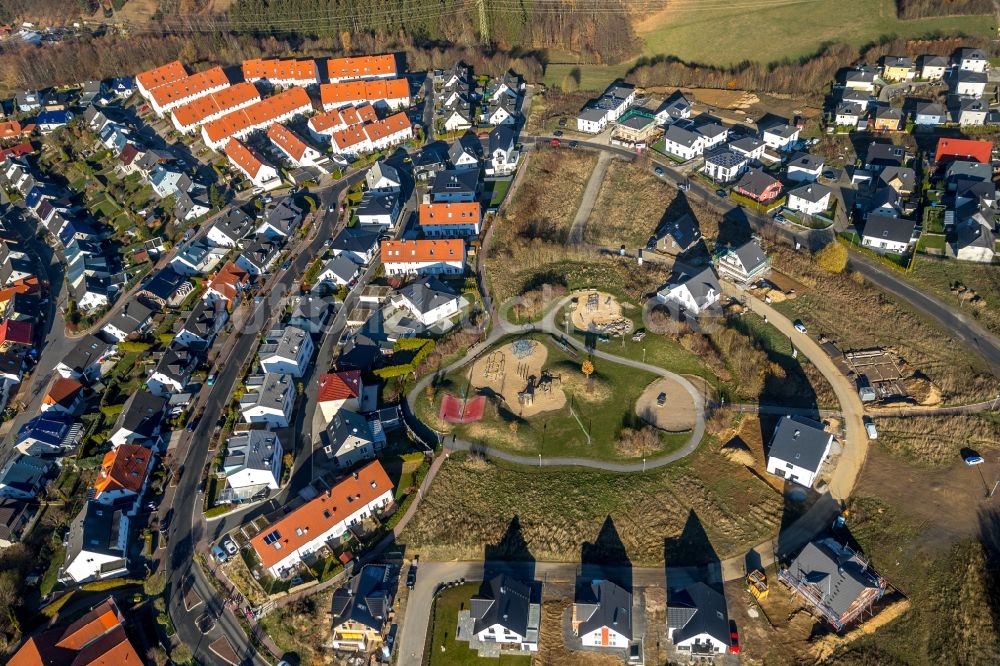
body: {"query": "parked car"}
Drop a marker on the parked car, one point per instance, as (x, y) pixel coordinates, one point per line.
(684, 187)
(557, 133)
(639, 335)
(556, 142)
(411, 577)
(574, 144)
(230, 546)
(780, 218)
(661, 399)
(972, 460)
(720, 193)
(734, 638)
(219, 554)
(211, 380)
(658, 170)
(562, 122)
(871, 429)
(799, 326)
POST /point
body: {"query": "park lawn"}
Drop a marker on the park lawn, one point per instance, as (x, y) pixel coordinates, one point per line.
(629, 207)
(786, 30)
(498, 191)
(444, 650)
(602, 410)
(937, 276)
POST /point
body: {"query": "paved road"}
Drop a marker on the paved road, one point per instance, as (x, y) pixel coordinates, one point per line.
(575, 235)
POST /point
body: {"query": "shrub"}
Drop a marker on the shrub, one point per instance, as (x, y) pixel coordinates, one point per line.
(109, 584)
(155, 584)
(832, 258)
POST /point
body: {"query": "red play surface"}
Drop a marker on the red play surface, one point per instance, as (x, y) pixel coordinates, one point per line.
(454, 410)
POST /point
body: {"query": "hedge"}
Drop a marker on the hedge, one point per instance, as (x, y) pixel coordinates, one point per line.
(109, 584)
(423, 347)
(218, 510)
(53, 609)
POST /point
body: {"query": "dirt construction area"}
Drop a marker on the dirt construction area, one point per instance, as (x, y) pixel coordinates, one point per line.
(598, 312)
(516, 373)
(675, 415)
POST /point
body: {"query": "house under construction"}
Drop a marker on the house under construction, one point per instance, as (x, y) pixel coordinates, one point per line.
(835, 580)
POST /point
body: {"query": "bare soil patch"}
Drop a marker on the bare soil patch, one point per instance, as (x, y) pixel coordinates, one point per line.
(599, 312)
(520, 379)
(675, 415)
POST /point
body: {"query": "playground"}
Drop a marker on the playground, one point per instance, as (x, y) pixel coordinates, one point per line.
(599, 312)
(516, 374)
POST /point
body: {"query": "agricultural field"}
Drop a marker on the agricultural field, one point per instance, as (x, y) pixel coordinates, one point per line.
(775, 30)
(631, 205)
(708, 502)
(938, 369)
(557, 422)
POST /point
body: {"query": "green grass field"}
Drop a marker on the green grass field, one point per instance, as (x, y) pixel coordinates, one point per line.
(444, 649)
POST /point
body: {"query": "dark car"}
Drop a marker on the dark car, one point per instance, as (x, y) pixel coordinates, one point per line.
(562, 122)
(658, 170)
(720, 193)
(557, 133)
(574, 144)
(661, 399)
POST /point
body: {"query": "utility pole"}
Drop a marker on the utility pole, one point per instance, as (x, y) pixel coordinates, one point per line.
(484, 24)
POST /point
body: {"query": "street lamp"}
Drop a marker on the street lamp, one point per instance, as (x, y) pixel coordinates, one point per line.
(539, 459)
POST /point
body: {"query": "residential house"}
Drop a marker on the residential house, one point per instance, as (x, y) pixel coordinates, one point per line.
(361, 609)
(861, 78)
(168, 181)
(880, 155)
(712, 131)
(949, 150)
(338, 271)
(617, 99)
(280, 221)
(351, 438)
(190, 207)
(972, 60)
(901, 179)
(295, 149)
(602, 615)
(260, 257)
(228, 285)
(388, 94)
(637, 127)
(969, 83)
(379, 209)
(450, 186)
(268, 400)
(27, 101)
(339, 390)
(682, 143)
(362, 67)
(310, 313)
(974, 240)
(797, 449)
(241, 123)
(281, 72)
(898, 68)
(969, 111)
(781, 137)
(198, 257)
(743, 265)
(464, 152)
(282, 545)
(698, 621)
(507, 84)
(423, 257)
(166, 288)
(752, 147)
(692, 291)
(49, 434)
(97, 544)
(428, 161)
(231, 228)
(92, 293)
(450, 219)
(15, 516)
(803, 167)
(190, 116)
(884, 233)
(23, 477)
(323, 126)
(837, 582)
(286, 350)
(888, 119)
(501, 110)
(84, 361)
(683, 233)
(503, 153)
(200, 328)
(674, 108)
(123, 474)
(64, 396)
(49, 121)
(429, 300)
(962, 170)
(930, 114)
(98, 637)
(262, 175)
(507, 611)
(172, 372)
(759, 186)
(725, 166)
(847, 114)
(16, 334)
(252, 464)
(139, 421)
(933, 68)
(458, 118)
(383, 177)
(809, 198)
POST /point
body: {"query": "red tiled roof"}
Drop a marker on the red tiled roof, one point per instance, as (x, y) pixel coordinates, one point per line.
(320, 514)
(301, 70)
(257, 113)
(387, 127)
(12, 129)
(449, 213)
(356, 115)
(226, 282)
(123, 468)
(286, 139)
(17, 332)
(96, 639)
(339, 385)
(345, 92)
(964, 149)
(220, 101)
(192, 86)
(243, 158)
(63, 392)
(361, 67)
(162, 75)
(324, 121)
(424, 250)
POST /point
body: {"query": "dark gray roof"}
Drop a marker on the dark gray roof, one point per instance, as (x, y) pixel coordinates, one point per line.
(756, 181)
(502, 600)
(501, 137)
(800, 441)
(367, 600)
(234, 223)
(906, 176)
(811, 192)
(934, 61)
(682, 136)
(283, 215)
(252, 449)
(428, 293)
(976, 231)
(975, 189)
(675, 105)
(897, 61)
(889, 113)
(164, 284)
(848, 109)
(726, 158)
(601, 603)
(342, 267)
(698, 609)
(884, 154)
(851, 95)
(86, 352)
(355, 239)
(142, 414)
(96, 530)
(968, 76)
(969, 170)
(806, 161)
(784, 130)
(890, 228)
(378, 203)
(833, 572)
(747, 144)
(684, 230)
(464, 145)
(971, 54)
(699, 284)
(176, 364)
(451, 181)
(930, 109)
(751, 255)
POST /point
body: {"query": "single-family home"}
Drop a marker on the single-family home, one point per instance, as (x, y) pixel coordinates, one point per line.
(901, 179)
(200, 328)
(167, 181)
(15, 516)
(501, 110)
(683, 232)
(880, 155)
(429, 161)
(781, 137)
(166, 288)
(231, 228)
(682, 143)
(339, 270)
(969, 83)
(712, 132)
(260, 173)
(260, 257)
(464, 152)
(457, 118)
(452, 186)
(503, 153)
(49, 121)
(310, 313)
(750, 146)
(602, 614)
(809, 198)
(973, 239)
(964, 170)
(423, 257)
(617, 98)
(379, 209)
(847, 114)
(758, 185)
(694, 292)
(450, 219)
(804, 167)
(268, 400)
(280, 220)
(351, 438)
(64, 396)
(27, 101)
(933, 67)
(428, 300)
(97, 545)
(860, 78)
(339, 390)
(172, 372)
(139, 421)
(228, 285)
(383, 177)
(744, 264)
(363, 494)
(286, 350)
(507, 611)
(898, 68)
(23, 477)
(972, 60)
(361, 609)
(16, 334)
(888, 118)
(929, 114)
(949, 150)
(188, 207)
(969, 111)
(198, 257)
(885, 233)
(698, 621)
(636, 127)
(50, 434)
(674, 108)
(84, 361)
(797, 449)
(123, 473)
(252, 464)
(834, 580)
(507, 84)
(725, 165)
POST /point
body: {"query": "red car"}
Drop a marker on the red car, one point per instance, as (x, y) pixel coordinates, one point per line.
(734, 641)
(556, 142)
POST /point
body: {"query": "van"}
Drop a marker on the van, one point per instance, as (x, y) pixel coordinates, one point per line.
(870, 429)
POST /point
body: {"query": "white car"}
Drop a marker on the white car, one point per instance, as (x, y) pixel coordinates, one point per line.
(870, 429)
(800, 327)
